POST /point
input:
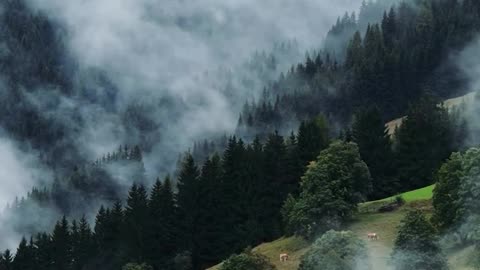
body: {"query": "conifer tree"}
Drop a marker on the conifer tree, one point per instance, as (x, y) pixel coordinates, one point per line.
(187, 202)
(61, 245)
(369, 133)
(135, 230)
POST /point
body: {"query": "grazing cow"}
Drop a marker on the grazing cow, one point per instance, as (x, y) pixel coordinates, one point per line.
(283, 257)
(372, 236)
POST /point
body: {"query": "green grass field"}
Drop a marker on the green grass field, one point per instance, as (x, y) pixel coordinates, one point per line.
(414, 195)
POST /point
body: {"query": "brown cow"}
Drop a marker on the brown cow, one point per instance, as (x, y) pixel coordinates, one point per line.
(283, 257)
(372, 236)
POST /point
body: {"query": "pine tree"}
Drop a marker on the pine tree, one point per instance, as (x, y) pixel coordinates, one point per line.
(162, 225)
(275, 155)
(187, 201)
(43, 251)
(24, 258)
(423, 142)
(6, 260)
(369, 133)
(136, 224)
(84, 248)
(212, 231)
(61, 245)
(312, 138)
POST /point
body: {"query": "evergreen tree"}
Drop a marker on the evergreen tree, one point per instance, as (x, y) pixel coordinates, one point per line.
(423, 142)
(136, 223)
(312, 138)
(84, 248)
(369, 133)
(162, 225)
(275, 155)
(212, 230)
(187, 201)
(61, 246)
(24, 258)
(6, 260)
(43, 251)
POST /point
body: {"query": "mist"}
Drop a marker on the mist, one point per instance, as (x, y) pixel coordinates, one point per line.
(177, 65)
(172, 50)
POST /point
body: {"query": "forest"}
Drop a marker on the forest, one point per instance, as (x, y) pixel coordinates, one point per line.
(301, 158)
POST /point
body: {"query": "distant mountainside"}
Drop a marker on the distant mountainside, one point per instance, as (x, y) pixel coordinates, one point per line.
(448, 103)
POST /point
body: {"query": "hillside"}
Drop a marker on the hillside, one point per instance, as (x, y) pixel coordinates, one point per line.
(367, 220)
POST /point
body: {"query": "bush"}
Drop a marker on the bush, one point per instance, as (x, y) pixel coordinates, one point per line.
(336, 251)
(416, 245)
(247, 260)
(399, 200)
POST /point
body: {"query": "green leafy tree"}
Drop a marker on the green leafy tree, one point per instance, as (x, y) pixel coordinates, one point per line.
(247, 260)
(445, 200)
(336, 251)
(469, 196)
(330, 190)
(416, 245)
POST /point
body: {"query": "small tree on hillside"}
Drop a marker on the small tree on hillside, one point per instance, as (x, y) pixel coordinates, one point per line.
(469, 196)
(416, 245)
(445, 195)
(336, 251)
(330, 191)
(247, 260)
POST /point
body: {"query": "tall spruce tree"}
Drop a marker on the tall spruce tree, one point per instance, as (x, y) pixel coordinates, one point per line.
(423, 142)
(187, 201)
(61, 246)
(161, 245)
(369, 133)
(136, 224)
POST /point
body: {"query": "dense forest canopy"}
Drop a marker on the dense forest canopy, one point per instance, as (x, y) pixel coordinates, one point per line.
(180, 158)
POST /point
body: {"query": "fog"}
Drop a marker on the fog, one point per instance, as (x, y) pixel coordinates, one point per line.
(176, 58)
(172, 50)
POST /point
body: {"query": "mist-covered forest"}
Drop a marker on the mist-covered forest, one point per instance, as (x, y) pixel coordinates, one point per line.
(158, 135)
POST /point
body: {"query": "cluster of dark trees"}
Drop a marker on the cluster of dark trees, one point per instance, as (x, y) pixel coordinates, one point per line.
(389, 64)
(84, 188)
(240, 198)
(229, 203)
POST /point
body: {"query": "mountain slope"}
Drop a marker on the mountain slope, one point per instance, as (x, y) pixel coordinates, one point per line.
(367, 220)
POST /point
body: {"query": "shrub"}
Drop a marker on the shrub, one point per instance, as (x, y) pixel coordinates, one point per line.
(336, 251)
(247, 260)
